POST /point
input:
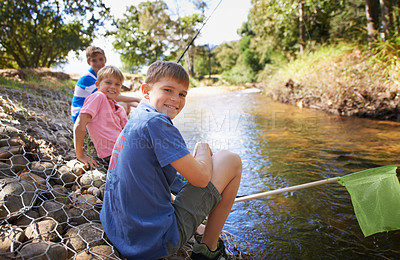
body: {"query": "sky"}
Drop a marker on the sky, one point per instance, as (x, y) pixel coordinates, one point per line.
(221, 27)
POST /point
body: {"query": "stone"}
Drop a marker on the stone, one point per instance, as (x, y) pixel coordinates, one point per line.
(5, 171)
(85, 208)
(43, 251)
(7, 152)
(11, 237)
(47, 230)
(60, 194)
(26, 219)
(11, 142)
(9, 130)
(55, 210)
(64, 176)
(95, 192)
(15, 197)
(77, 167)
(85, 236)
(42, 169)
(37, 181)
(93, 178)
(97, 253)
(19, 162)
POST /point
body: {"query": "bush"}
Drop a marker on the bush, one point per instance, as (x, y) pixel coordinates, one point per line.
(238, 75)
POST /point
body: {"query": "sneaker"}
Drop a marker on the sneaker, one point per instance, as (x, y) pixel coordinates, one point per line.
(202, 252)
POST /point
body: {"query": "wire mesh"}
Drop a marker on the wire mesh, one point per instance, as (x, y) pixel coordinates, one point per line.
(49, 204)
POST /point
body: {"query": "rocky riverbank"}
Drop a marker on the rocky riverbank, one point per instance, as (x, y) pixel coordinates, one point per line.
(346, 82)
(49, 204)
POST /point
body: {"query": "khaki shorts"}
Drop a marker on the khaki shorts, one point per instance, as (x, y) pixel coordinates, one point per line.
(192, 205)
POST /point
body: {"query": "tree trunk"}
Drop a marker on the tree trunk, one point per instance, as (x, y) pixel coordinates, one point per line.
(372, 12)
(396, 15)
(387, 19)
(209, 61)
(301, 27)
(189, 61)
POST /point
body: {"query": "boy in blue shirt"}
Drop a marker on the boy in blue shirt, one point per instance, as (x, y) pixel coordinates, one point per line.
(86, 84)
(139, 214)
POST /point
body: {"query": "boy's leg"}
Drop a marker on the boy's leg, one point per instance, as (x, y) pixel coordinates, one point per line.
(226, 174)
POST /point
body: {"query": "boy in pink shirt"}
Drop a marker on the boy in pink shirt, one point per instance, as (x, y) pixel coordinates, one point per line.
(101, 115)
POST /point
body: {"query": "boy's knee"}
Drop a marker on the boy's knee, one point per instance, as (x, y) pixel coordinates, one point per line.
(233, 159)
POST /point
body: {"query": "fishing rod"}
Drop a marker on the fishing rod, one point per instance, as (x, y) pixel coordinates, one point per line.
(198, 32)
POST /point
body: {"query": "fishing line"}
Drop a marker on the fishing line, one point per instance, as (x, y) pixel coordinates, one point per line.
(198, 31)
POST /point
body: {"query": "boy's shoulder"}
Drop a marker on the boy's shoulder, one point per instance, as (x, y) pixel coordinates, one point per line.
(88, 79)
(145, 116)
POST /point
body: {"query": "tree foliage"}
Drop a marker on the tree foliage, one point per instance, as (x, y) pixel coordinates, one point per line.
(277, 22)
(41, 33)
(148, 32)
(141, 34)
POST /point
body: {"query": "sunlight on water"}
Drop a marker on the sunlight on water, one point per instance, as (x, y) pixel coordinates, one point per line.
(282, 146)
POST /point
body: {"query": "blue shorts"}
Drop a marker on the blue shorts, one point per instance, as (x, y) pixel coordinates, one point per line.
(192, 205)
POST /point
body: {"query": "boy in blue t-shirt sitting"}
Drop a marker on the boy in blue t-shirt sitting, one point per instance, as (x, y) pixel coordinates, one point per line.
(86, 84)
(139, 214)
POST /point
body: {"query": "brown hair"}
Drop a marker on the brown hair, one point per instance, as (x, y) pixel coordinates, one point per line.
(92, 51)
(110, 71)
(166, 69)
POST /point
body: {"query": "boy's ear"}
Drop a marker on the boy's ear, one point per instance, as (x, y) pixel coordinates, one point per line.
(145, 88)
(97, 84)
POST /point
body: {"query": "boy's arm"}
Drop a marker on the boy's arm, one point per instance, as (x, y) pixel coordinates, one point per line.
(79, 137)
(196, 168)
(122, 98)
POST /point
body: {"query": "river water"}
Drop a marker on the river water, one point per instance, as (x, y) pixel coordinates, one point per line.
(281, 146)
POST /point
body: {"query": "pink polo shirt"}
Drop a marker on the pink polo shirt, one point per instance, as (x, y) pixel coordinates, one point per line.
(108, 120)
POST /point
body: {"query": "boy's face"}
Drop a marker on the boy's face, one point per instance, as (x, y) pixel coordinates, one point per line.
(97, 62)
(167, 96)
(110, 86)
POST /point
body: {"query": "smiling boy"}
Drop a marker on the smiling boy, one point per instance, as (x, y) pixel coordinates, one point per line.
(86, 86)
(137, 213)
(101, 115)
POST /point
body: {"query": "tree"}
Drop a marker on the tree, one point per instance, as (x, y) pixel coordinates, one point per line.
(302, 29)
(287, 25)
(187, 31)
(226, 55)
(41, 33)
(148, 33)
(387, 18)
(372, 12)
(141, 36)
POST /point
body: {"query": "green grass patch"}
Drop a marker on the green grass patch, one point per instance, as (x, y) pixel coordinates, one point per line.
(34, 82)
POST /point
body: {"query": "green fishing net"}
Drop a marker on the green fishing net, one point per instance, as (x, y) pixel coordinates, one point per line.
(375, 194)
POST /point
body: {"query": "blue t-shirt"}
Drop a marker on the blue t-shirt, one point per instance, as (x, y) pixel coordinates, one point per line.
(137, 214)
(83, 88)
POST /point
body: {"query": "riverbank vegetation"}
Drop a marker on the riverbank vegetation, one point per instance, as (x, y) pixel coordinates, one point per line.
(342, 79)
(339, 56)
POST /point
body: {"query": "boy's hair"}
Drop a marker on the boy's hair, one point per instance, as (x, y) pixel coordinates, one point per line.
(110, 71)
(92, 51)
(166, 69)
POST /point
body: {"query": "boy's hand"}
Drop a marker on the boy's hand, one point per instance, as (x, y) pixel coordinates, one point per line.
(196, 168)
(88, 161)
(202, 148)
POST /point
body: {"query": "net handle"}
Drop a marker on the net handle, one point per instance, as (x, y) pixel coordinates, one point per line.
(287, 189)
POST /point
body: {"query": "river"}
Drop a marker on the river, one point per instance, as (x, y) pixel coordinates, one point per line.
(281, 146)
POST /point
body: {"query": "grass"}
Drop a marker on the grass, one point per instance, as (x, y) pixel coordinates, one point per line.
(38, 82)
(342, 78)
(316, 70)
